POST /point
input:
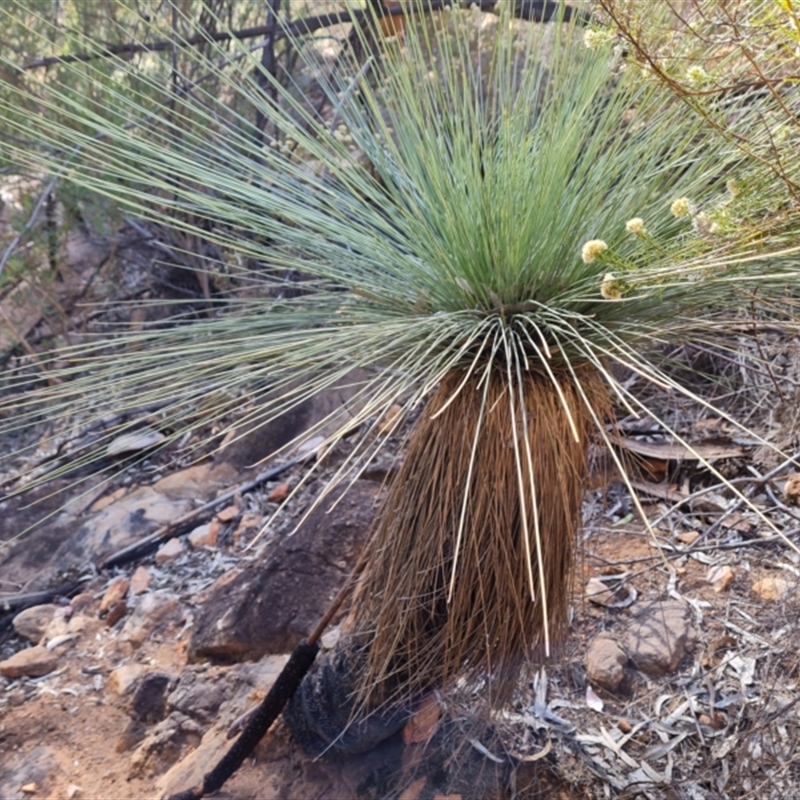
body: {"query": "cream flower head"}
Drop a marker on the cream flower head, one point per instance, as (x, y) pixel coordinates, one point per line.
(592, 249)
(595, 38)
(609, 288)
(682, 207)
(635, 225)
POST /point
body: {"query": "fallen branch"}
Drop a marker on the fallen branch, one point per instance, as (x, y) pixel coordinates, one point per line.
(18, 602)
(170, 530)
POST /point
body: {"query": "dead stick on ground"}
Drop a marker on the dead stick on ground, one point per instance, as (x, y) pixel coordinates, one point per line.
(261, 719)
(168, 531)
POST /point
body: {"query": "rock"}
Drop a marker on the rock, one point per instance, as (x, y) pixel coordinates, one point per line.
(32, 622)
(248, 522)
(169, 551)
(205, 535)
(255, 441)
(30, 663)
(598, 593)
(124, 522)
(770, 589)
(140, 581)
(272, 604)
(123, 678)
(196, 697)
(659, 636)
(116, 613)
(108, 499)
(228, 513)
(116, 590)
(148, 701)
(720, 578)
(279, 493)
(200, 481)
(81, 601)
(163, 746)
(132, 734)
(153, 612)
(79, 623)
(245, 685)
(320, 712)
(58, 626)
(605, 663)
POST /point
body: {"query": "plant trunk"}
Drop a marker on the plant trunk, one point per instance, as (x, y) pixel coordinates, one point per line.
(476, 588)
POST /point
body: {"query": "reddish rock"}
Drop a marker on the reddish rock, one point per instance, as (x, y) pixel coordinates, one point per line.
(140, 581)
(605, 663)
(720, 578)
(279, 493)
(659, 636)
(169, 551)
(201, 480)
(205, 535)
(227, 514)
(771, 589)
(116, 613)
(116, 590)
(32, 622)
(81, 601)
(31, 663)
(123, 678)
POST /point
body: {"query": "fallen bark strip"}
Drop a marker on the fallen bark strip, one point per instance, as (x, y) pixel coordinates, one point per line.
(170, 530)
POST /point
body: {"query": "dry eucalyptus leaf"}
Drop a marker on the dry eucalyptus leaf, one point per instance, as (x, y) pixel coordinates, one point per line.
(592, 700)
(131, 442)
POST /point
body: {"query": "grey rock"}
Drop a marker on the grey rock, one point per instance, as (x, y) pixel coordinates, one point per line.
(272, 604)
(148, 703)
(255, 442)
(164, 746)
(153, 612)
(659, 637)
(198, 698)
(605, 663)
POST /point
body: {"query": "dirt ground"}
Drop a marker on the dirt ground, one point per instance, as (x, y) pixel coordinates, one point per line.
(720, 723)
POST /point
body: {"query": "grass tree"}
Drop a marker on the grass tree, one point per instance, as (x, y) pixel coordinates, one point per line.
(495, 220)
